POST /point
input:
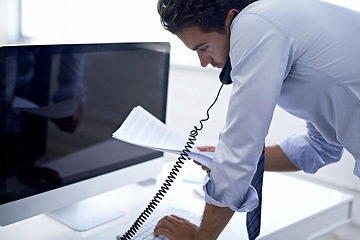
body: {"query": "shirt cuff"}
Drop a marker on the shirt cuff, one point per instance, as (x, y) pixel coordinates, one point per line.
(69, 91)
(310, 151)
(301, 154)
(249, 203)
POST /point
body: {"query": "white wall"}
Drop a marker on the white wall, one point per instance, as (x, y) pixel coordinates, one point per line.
(89, 21)
(9, 21)
(4, 19)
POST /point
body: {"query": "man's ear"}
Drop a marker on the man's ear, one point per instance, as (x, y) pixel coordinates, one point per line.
(230, 16)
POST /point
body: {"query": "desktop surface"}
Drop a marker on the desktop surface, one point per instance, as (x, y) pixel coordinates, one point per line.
(292, 209)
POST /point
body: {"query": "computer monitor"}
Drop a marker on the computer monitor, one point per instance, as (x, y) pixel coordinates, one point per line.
(60, 105)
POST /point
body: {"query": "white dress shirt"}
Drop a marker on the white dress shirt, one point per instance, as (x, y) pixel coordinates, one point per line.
(303, 55)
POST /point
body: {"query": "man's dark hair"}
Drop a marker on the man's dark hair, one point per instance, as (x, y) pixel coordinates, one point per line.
(207, 15)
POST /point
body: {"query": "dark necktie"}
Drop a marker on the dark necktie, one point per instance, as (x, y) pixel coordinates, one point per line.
(253, 218)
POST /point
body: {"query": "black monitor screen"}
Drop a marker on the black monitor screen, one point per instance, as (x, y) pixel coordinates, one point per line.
(60, 105)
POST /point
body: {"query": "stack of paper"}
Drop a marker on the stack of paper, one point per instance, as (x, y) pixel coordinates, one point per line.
(143, 129)
(58, 110)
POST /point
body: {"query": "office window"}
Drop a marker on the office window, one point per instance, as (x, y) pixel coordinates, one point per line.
(353, 4)
(98, 21)
(91, 19)
(106, 21)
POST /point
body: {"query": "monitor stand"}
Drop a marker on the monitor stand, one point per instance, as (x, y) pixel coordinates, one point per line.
(85, 215)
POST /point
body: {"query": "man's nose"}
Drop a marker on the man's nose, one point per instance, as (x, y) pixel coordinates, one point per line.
(204, 59)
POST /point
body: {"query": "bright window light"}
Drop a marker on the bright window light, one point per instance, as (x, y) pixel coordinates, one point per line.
(100, 19)
(352, 4)
(92, 21)
(107, 21)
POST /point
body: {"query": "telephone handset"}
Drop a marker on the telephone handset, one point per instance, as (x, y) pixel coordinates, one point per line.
(225, 73)
(174, 171)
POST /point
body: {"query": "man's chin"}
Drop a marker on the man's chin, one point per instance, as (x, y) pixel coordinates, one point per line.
(219, 66)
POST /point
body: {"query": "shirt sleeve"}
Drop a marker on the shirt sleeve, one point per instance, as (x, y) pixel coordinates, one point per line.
(310, 151)
(70, 77)
(260, 57)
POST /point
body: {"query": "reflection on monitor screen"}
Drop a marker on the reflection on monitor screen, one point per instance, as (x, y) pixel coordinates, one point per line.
(60, 105)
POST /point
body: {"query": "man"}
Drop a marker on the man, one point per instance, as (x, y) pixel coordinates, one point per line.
(23, 135)
(303, 55)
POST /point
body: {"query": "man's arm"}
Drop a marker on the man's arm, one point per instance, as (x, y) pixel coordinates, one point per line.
(310, 151)
(277, 161)
(216, 218)
(214, 221)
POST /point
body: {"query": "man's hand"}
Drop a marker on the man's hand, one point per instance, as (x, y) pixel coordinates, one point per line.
(176, 228)
(213, 222)
(205, 149)
(69, 124)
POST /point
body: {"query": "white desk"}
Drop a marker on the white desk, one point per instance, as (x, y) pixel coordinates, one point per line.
(292, 209)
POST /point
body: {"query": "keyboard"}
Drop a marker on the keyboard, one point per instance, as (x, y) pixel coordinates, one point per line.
(146, 231)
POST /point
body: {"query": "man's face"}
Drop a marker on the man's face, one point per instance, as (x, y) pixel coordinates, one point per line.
(212, 48)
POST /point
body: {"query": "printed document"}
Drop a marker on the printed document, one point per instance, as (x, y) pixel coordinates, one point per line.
(143, 129)
(58, 110)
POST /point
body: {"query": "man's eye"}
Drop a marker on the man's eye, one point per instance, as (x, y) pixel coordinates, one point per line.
(203, 48)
